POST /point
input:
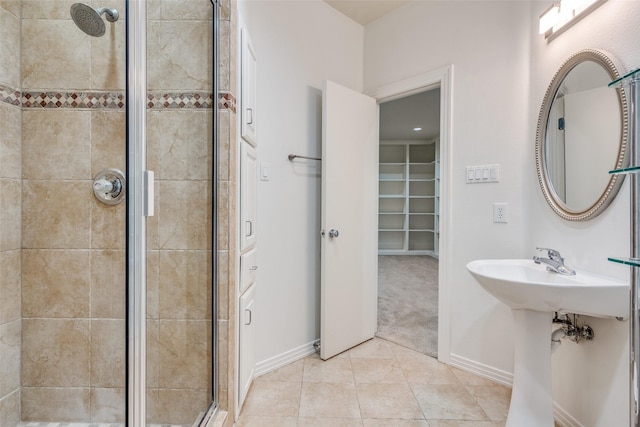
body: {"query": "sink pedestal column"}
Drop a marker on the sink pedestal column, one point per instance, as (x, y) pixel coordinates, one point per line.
(531, 398)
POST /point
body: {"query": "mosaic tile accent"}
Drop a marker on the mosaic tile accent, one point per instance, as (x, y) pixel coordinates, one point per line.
(114, 100)
(101, 100)
(226, 101)
(9, 95)
(159, 101)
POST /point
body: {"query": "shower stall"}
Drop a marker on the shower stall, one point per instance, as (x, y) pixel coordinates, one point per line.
(108, 212)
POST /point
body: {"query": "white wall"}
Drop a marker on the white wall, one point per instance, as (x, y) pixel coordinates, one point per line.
(590, 380)
(488, 45)
(501, 70)
(298, 45)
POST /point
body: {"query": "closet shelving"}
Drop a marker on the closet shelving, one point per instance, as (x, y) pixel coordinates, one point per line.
(630, 83)
(408, 198)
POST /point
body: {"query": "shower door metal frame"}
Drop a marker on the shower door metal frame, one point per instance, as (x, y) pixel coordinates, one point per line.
(140, 203)
(214, 205)
(136, 249)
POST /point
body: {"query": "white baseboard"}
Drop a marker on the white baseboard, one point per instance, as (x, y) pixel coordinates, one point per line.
(502, 377)
(562, 417)
(285, 358)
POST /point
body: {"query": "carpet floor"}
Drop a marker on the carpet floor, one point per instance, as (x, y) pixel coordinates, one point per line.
(408, 302)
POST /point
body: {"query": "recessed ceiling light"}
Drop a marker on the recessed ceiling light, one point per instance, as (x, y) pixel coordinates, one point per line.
(417, 129)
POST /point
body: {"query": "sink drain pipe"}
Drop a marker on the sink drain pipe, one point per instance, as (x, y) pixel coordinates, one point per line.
(570, 330)
(556, 337)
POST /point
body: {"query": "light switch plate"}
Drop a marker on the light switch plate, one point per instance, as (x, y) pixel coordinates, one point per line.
(482, 174)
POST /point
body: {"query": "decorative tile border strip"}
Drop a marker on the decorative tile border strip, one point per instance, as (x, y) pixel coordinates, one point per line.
(226, 101)
(114, 100)
(94, 100)
(163, 100)
(9, 95)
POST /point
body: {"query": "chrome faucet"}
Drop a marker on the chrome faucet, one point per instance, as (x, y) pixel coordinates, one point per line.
(554, 263)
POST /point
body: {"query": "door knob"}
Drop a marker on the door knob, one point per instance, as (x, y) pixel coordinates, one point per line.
(333, 233)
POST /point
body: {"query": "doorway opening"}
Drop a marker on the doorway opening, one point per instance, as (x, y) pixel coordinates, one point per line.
(409, 219)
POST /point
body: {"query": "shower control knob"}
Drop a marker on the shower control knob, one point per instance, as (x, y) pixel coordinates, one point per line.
(108, 186)
(103, 186)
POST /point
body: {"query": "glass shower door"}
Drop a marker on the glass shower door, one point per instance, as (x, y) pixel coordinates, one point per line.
(179, 283)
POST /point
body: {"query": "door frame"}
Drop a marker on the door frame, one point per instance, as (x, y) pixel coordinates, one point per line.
(443, 78)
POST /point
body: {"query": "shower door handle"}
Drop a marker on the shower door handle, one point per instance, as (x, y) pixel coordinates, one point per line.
(149, 193)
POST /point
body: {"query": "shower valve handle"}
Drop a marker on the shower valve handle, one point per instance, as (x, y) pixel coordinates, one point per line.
(108, 186)
(103, 186)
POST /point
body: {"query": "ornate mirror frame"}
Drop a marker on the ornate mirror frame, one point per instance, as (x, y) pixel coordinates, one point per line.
(615, 181)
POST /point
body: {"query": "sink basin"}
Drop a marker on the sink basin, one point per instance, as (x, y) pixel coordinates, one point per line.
(523, 284)
(534, 293)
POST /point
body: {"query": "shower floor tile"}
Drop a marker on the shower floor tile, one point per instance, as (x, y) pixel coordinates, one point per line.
(53, 424)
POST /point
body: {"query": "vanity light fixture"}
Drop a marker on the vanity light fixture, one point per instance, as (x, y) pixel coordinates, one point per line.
(560, 16)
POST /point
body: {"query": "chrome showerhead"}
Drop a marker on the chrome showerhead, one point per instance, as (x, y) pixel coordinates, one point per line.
(90, 20)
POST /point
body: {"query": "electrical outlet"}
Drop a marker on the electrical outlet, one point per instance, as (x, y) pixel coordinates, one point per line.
(500, 212)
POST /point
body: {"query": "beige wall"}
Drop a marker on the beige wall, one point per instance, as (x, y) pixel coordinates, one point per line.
(10, 214)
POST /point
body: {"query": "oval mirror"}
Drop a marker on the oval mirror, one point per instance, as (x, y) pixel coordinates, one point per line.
(581, 136)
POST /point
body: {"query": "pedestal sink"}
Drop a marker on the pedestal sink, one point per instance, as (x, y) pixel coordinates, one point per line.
(533, 293)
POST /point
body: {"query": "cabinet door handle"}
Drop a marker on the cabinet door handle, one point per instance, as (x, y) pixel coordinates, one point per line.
(250, 317)
(253, 268)
(249, 116)
(248, 228)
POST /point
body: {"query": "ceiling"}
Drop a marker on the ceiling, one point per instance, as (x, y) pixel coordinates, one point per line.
(365, 11)
(398, 118)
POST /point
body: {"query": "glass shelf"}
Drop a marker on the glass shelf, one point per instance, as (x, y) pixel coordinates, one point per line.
(635, 262)
(629, 77)
(624, 171)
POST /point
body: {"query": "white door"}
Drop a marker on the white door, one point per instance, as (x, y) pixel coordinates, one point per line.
(248, 87)
(349, 249)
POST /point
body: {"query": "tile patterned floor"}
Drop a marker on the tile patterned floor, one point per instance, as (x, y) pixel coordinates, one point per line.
(377, 384)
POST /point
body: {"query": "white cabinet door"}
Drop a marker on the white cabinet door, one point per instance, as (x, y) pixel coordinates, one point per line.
(248, 268)
(248, 195)
(247, 342)
(349, 248)
(248, 87)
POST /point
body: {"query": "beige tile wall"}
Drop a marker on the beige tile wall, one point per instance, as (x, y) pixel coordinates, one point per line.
(227, 189)
(10, 217)
(179, 265)
(66, 250)
(73, 268)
